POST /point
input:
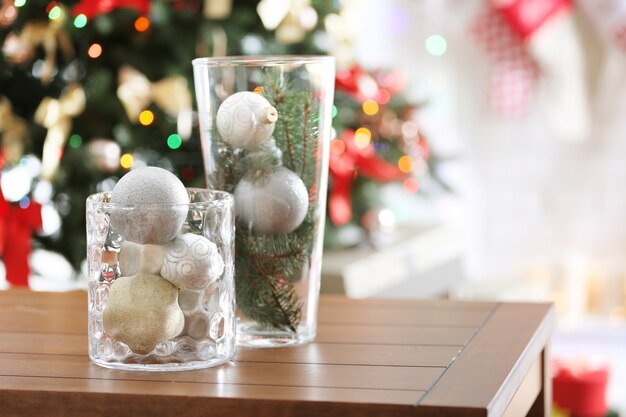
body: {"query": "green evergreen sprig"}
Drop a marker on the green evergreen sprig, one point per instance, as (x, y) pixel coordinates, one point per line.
(269, 266)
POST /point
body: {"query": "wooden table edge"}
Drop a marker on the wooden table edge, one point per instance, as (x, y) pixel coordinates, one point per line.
(51, 403)
(534, 342)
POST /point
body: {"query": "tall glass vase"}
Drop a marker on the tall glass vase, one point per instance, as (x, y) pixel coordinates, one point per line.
(265, 128)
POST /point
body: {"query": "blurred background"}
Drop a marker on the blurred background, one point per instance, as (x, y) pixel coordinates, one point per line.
(478, 146)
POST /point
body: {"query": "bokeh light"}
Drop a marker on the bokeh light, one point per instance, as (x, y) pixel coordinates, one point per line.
(405, 164)
(174, 141)
(75, 141)
(142, 24)
(362, 137)
(334, 114)
(24, 202)
(55, 13)
(95, 50)
(383, 96)
(436, 45)
(409, 129)
(127, 160)
(10, 13)
(337, 147)
(411, 185)
(146, 117)
(80, 21)
(370, 107)
(19, 3)
(364, 131)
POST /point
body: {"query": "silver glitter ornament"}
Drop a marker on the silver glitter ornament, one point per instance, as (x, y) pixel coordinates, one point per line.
(160, 206)
(271, 202)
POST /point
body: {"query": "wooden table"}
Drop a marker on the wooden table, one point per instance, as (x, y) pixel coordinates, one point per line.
(371, 358)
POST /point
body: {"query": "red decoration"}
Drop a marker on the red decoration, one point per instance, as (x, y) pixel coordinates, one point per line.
(513, 72)
(347, 161)
(357, 83)
(345, 80)
(580, 389)
(16, 227)
(91, 8)
(526, 16)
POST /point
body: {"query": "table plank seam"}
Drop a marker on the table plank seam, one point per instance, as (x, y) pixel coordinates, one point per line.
(474, 334)
(77, 355)
(435, 326)
(212, 383)
(344, 364)
(44, 333)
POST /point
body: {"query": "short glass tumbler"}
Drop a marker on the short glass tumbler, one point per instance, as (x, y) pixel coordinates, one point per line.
(265, 125)
(162, 307)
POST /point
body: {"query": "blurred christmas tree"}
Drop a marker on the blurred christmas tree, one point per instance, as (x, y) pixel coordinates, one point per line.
(90, 89)
(378, 142)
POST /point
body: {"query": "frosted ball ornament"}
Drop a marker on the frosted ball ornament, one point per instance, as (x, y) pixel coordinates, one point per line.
(271, 202)
(246, 119)
(166, 203)
(134, 258)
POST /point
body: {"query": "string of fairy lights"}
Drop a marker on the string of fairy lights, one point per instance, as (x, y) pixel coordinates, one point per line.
(435, 45)
(410, 163)
(57, 12)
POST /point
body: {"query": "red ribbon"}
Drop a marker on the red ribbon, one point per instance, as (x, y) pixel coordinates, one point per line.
(91, 8)
(526, 16)
(346, 163)
(357, 83)
(16, 227)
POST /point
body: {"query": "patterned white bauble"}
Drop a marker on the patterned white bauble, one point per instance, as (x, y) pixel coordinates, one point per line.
(134, 258)
(246, 119)
(160, 206)
(191, 262)
(271, 202)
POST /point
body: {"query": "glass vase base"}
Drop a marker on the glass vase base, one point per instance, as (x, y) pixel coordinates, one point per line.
(253, 335)
(161, 367)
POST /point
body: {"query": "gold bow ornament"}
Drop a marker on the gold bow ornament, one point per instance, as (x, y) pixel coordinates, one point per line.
(292, 19)
(56, 116)
(218, 9)
(13, 132)
(50, 36)
(171, 94)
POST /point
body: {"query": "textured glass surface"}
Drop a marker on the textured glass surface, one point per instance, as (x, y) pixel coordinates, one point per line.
(265, 125)
(208, 336)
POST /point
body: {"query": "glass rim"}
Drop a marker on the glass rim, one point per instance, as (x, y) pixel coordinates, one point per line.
(223, 198)
(261, 60)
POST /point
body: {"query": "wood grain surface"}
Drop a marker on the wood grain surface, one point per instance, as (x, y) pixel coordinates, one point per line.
(370, 358)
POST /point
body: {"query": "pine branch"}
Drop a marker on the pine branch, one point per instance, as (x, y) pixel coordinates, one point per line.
(265, 279)
(306, 109)
(268, 266)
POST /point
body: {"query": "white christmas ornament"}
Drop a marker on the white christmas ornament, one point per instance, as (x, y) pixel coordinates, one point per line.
(160, 205)
(271, 202)
(191, 262)
(134, 258)
(246, 119)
